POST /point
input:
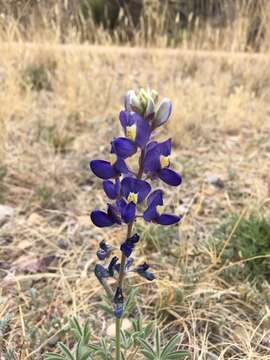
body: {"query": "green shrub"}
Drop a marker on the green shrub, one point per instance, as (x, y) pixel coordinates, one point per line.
(38, 77)
(250, 242)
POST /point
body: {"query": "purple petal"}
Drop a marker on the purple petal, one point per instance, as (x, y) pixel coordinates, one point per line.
(170, 177)
(102, 169)
(101, 219)
(128, 186)
(151, 145)
(114, 214)
(120, 166)
(109, 188)
(143, 189)
(167, 219)
(101, 272)
(152, 159)
(150, 213)
(165, 147)
(123, 119)
(155, 198)
(121, 204)
(143, 131)
(128, 212)
(124, 147)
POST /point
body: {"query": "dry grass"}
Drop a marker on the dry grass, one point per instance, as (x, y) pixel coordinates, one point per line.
(220, 125)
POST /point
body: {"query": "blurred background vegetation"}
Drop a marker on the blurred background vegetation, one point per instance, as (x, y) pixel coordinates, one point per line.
(148, 20)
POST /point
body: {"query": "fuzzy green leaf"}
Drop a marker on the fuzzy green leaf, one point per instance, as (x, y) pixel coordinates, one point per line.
(148, 354)
(146, 346)
(53, 356)
(169, 346)
(66, 351)
(157, 342)
(177, 355)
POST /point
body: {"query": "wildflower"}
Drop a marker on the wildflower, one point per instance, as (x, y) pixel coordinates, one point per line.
(129, 261)
(101, 272)
(103, 219)
(155, 210)
(124, 147)
(112, 189)
(104, 250)
(128, 246)
(136, 128)
(118, 301)
(109, 169)
(142, 270)
(134, 192)
(157, 162)
(112, 265)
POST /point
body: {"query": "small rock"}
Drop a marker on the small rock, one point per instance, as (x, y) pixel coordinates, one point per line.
(6, 212)
(126, 325)
(216, 181)
(35, 219)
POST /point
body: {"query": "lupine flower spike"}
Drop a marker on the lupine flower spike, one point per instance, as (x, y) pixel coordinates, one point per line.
(130, 194)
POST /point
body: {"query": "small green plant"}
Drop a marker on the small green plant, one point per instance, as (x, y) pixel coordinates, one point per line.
(133, 342)
(162, 353)
(45, 196)
(59, 138)
(37, 76)
(250, 242)
(8, 354)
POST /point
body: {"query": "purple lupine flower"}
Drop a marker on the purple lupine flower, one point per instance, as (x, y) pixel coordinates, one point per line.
(142, 270)
(103, 219)
(109, 169)
(112, 265)
(112, 189)
(155, 210)
(134, 192)
(135, 127)
(101, 272)
(157, 161)
(128, 263)
(104, 250)
(128, 246)
(124, 147)
(118, 301)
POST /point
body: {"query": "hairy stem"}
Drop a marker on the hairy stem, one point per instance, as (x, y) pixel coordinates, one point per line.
(122, 270)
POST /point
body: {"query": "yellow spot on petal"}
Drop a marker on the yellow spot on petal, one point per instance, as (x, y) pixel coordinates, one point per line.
(164, 161)
(132, 197)
(131, 132)
(113, 158)
(160, 209)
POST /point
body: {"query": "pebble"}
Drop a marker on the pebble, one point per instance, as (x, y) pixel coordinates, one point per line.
(6, 212)
(216, 181)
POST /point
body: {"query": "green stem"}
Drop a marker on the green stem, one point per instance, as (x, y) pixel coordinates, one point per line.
(118, 321)
(118, 339)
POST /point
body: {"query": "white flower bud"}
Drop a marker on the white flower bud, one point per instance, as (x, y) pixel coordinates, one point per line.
(150, 108)
(163, 113)
(127, 100)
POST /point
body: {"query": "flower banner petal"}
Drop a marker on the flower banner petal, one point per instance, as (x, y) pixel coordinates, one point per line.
(124, 147)
(170, 177)
(167, 219)
(101, 219)
(102, 169)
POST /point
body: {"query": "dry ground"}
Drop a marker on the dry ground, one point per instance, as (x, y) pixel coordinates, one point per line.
(220, 127)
